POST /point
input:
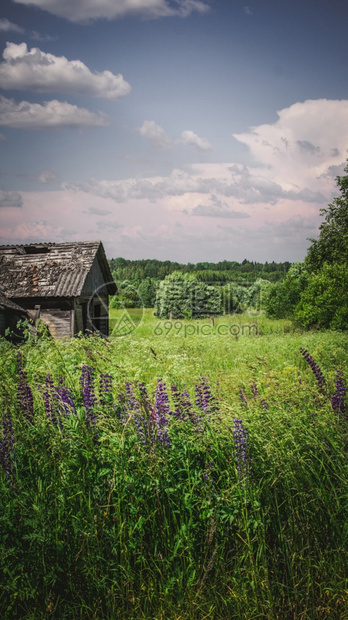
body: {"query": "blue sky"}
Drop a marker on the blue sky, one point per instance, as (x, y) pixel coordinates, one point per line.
(186, 130)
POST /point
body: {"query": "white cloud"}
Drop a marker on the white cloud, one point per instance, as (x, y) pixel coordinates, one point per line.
(36, 36)
(98, 211)
(155, 133)
(38, 71)
(298, 150)
(11, 199)
(87, 10)
(7, 26)
(189, 138)
(49, 115)
(47, 176)
(218, 208)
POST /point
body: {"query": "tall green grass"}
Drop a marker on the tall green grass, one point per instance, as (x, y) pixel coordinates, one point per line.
(95, 523)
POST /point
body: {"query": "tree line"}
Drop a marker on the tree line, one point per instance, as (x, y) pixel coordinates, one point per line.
(313, 292)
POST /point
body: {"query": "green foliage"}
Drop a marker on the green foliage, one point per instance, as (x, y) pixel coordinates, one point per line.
(324, 303)
(127, 296)
(332, 245)
(147, 293)
(183, 296)
(109, 529)
(225, 271)
(283, 297)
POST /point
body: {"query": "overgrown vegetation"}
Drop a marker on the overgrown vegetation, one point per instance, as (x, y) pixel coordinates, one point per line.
(172, 474)
(140, 281)
(315, 293)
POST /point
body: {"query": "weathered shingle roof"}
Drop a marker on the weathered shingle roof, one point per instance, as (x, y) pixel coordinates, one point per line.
(51, 269)
(7, 304)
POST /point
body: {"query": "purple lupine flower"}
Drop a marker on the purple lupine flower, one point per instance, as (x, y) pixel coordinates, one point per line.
(241, 447)
(120, 408)
(339, 398)
(66, 400)
(243, 399)
(162, 412)
(7, 452)
(88, 395)
(314, 366)
(254, 390)
(206, 474)
(150, 412)
(176, 396)
(58, 400)
(24, 393)
(264, 405)
(187, 407)
(183, 405)
(105, 388)
(140, 422)
(299, 378)
(205, 401)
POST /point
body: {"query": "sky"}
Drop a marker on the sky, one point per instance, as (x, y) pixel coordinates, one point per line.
(183, 130)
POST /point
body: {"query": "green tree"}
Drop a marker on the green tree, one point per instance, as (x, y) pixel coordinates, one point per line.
(147, 292)
(332, 244)
(283, 297)
(324, 303)
(183, 296)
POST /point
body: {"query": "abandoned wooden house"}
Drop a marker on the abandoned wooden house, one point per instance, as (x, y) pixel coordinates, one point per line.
(66, 285)
(10, 315)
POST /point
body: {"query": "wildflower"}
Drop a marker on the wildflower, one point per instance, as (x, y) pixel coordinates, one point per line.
(204, 398)
(339, 398)
(243, 399)
(66, 400)
(183, 405)
(24, 393)
(263, 404)
(140, 422)
(314, 366)
(88, 395)
(162, 411)
(241, 445)
(105, 388)
(254, 390)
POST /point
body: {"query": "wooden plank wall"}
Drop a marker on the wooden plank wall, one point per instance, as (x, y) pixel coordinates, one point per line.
(57, 321)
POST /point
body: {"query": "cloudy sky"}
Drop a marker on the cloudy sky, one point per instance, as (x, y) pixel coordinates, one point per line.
(187, 130)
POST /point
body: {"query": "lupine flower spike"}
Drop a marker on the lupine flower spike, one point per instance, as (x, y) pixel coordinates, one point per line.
(314, 366)
(241, 446)
(339, 398)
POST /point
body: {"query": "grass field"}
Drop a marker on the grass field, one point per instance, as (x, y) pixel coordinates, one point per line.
(181, 470)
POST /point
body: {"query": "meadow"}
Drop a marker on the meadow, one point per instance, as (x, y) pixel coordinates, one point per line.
(178, 470)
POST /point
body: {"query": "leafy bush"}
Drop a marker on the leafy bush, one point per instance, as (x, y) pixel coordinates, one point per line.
(283, 297)
(182, 296)
(324, 302)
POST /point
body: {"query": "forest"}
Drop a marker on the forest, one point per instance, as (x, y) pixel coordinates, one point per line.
(313, 292)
